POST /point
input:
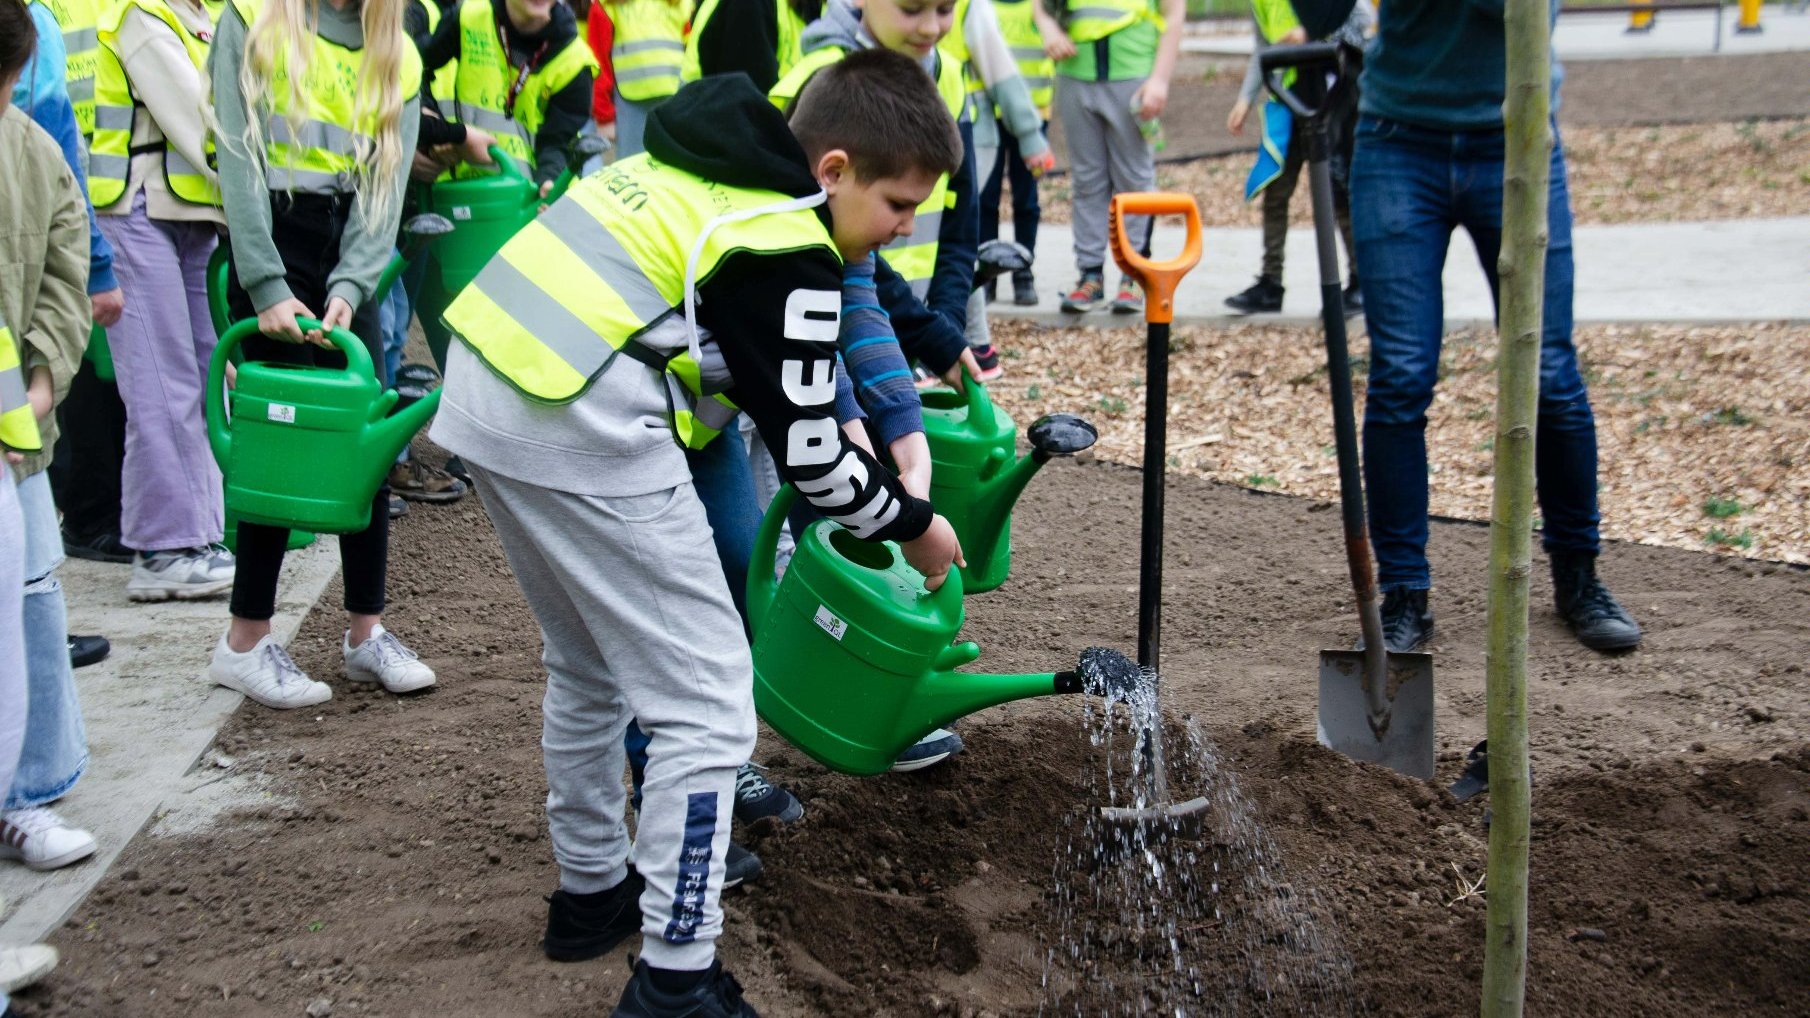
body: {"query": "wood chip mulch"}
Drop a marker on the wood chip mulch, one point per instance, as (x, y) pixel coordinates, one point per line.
(1704, 431)
(1674, 173)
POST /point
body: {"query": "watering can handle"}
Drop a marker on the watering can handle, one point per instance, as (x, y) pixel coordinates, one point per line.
(215, 406)
(1159, 279)
(764, 560)
(507, 164)
(980, 406)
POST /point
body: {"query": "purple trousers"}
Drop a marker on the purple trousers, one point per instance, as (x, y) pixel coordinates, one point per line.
(170, 486)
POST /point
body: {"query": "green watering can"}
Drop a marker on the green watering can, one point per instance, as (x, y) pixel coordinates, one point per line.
(854, 660)
(488, 210)
(976, 475)
(306, 446)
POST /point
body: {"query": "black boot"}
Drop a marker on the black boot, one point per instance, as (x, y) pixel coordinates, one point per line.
(1024, 288)
(1354, 300)
(712, 993)
(1263, 298)
(1407, 620)
(585, 926)
(1599, 621)
(88, 650)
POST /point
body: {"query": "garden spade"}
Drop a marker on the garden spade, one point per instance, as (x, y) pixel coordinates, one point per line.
(1108, 669)
(1376, 705)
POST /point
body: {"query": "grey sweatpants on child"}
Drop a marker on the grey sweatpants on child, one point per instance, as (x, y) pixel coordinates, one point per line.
(637, 623)
(1107, 155)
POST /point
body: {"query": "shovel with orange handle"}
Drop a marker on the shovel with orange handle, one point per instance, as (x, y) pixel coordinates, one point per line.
(1159, 280)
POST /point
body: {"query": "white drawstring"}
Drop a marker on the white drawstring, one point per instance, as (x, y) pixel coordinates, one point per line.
(696, 344)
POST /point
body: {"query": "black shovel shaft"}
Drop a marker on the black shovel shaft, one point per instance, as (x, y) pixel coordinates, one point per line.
(1156, 456)
(1344, 422)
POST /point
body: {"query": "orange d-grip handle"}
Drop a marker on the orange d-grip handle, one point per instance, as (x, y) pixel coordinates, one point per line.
(1159, 279)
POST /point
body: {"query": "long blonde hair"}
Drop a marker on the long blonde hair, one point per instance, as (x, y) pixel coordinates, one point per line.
(286, 29)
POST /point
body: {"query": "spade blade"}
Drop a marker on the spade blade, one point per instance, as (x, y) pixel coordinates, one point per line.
(1404, 740)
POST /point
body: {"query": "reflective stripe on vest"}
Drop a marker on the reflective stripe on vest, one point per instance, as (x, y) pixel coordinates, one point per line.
(1036, 68)
(116, 113)
(485, 76)
(912, 257)
(323, 148)
(18, 425)
(1092, 20)
(649, 47)
(605, 265)
(80, 22)
(786, 50)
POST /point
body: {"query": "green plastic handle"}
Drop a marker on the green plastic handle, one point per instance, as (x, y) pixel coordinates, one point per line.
(358, 360)
(980, 406)
(764, 561)
(508, 165)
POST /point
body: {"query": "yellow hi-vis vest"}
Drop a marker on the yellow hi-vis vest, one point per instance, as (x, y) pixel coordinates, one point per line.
(787, 51)
(1026, 44)
(18, 425)
(320, 150)
(649, 47)
(486, 76)
(955, 45)
(116, 112)
(620, 254)
(912, 257)
(80, 22)
(1092, 20)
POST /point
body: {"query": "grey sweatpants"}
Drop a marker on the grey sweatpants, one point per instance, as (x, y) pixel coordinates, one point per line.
(636, 622)
(1107, 155)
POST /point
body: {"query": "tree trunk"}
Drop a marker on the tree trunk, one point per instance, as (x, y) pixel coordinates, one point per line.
(1522, 265)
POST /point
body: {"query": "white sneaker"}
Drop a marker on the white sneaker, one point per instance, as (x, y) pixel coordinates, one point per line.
(40, 839)
(22, 966)
(384, 659)
(186, 574)
(267, 674)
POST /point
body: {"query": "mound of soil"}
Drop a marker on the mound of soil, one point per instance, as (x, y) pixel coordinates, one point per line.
(398, 863)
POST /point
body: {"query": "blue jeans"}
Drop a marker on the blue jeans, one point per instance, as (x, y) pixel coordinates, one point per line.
(1410, 188)
(394, 314)
(725, 484)
(55, 752)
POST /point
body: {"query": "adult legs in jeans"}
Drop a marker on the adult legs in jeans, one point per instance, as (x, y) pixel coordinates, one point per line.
(162, 345)
(1411, 187)
(55, 749)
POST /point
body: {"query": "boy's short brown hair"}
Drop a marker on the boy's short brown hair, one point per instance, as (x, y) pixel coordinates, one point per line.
(884, 111)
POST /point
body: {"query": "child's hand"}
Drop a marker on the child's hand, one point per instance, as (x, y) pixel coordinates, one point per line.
(476, 149)
(1151, 97)
(40, 393)
(1293, 37)
(932, 551)
(339, 316)
(954, 375)
(1235, 119)
(278, 320)
(1041, 164)
(1056, 43)
(106, 307)
(911, 453)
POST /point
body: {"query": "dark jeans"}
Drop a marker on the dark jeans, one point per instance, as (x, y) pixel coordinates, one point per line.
(307, 230)
(1026, 212)
(725, 484)
(91, 447)
(1410, 188)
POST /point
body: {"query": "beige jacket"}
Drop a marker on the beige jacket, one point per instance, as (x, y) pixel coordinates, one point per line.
(170, 94)
(43, 260)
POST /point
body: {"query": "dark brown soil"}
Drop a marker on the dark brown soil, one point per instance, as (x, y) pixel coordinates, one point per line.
(1602, 93)
(397, 866)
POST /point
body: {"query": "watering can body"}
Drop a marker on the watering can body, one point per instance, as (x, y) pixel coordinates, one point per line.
(853, 660)
(485, 212)
(302, 446)
(976, 477)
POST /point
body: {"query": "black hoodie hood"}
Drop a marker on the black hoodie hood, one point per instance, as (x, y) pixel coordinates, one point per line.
(724, 129)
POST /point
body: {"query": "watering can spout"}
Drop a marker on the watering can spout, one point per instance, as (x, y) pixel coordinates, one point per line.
(945, 696)
(388, 433)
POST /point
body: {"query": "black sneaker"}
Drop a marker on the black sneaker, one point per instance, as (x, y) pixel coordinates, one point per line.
(398, 508)
(1263, 298)
(756, 799)
(740, 866)
(99, 548)
(716, 995)
(1599, 621)
(456, 467)
(88, 650)
(1407, 621)
(1354, 300)
(585, 926)
(1024, 288)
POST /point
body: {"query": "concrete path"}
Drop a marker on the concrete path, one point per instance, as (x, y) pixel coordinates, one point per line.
(1735, 270)
(1588, 36)
(150, 715)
